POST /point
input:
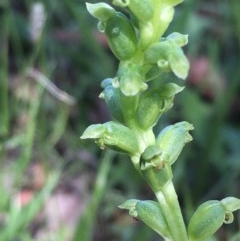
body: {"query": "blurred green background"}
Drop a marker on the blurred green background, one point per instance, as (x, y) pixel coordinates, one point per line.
(55, 187)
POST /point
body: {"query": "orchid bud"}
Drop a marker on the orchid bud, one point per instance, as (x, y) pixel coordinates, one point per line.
(111, 95)
(150, 213)
(121, 36)
(150, 108)
(113, 135)
(119, 31)
(210, 216)
(172, 139)
(153, 104)
(131, 79)
(206, 220)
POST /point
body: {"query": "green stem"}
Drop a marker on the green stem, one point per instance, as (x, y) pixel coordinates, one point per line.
(169, 203)
(4, 113)
(129, 105)
(30, 132)
(85, 226)
(60, 124)
(20, 219)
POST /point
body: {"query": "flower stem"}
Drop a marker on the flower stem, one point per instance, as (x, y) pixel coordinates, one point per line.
(168, 200)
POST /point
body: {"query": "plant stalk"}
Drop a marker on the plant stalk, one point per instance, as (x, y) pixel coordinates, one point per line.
(168, 200)
(4, 113)
(85, 226)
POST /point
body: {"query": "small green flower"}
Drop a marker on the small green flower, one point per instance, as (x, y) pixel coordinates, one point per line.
(168, 55)
(113, 135)
(121, 36)
(131, 79)
(119, 31)
(210, 216)
(154, 103)
(172, 139)
(206, 220)
(150, 213)
(111, 95)
(154, 168)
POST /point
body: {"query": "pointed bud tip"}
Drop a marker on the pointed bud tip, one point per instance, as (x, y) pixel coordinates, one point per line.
(180, 39)
(129, 204)
(93, 132)
(101, 11)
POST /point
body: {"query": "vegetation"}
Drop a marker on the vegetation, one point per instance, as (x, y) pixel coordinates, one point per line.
(40, 128)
